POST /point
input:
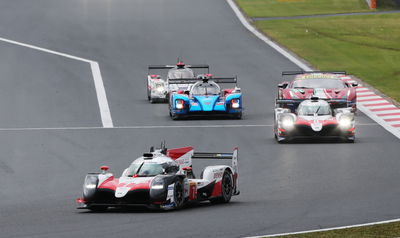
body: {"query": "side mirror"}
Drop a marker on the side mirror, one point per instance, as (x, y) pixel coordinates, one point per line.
(188, 168)
(355, 84)
(283, 85)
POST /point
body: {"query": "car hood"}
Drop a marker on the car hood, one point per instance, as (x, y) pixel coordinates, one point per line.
(208, 102)
(123, 185)
(322, 93)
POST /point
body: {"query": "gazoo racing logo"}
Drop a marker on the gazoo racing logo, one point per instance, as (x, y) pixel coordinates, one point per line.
(218, 174)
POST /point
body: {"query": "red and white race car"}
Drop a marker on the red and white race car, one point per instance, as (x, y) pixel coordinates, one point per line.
(314, 118)
(162, 178)
(329, 86)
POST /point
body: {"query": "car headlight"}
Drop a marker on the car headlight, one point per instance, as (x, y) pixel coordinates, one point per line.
(235, 103)
(157, 184)
(179, 104)
(287, 123)
(90, 186)
(345, 123)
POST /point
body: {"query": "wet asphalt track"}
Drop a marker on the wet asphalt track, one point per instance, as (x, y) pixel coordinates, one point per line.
(284, 187)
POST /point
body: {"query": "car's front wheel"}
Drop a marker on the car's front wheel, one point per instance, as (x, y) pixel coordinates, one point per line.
(179, 195)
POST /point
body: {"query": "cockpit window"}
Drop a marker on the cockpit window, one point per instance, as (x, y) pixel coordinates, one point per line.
(319, 83)
(147, 169)
(205, 89)
(310, 110)
(180, 73)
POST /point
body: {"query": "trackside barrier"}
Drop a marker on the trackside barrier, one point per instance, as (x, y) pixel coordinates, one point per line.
(371, 4)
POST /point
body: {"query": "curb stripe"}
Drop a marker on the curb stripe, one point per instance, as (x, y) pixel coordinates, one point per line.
(389, 114)
(368, 100)
(384, 109)
(392, 119)
(377, 104)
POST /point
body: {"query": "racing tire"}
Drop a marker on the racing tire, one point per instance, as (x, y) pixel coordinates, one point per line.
(174, 116)
(98, 208)
(238, 115)
(179, 194)
(226, 190)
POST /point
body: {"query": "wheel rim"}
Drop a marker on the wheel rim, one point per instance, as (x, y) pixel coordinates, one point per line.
(178, 193)
(227, 184)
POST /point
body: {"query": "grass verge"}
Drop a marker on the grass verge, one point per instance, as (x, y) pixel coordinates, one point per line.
(278, 8)
(389, 230)
(365, 46)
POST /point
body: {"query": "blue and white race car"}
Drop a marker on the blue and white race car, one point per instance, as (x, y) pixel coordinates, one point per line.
(206, 97)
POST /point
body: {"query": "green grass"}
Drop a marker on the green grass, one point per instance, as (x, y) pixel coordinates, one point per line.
(365, 46)
(389, 230)
(275, 8)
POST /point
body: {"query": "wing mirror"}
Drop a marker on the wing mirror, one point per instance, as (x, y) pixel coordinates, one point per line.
(355, 84)
(283, 85)
(188, 168)
(104, 169)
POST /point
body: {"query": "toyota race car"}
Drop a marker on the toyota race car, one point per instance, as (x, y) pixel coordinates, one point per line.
(324, 85)
(205, 97)
(159, 89)
(314, 118)
(163, 179)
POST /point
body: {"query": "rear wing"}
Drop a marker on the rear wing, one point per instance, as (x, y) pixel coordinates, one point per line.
(311, 72)
(195, 80)
(220, 156)
(192, 66)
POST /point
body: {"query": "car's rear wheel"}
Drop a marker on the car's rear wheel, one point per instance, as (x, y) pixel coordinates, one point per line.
(350, 140)
(179, 196)
(226, 188)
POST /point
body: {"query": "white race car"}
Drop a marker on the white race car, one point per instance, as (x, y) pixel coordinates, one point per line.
(159, 89)
(164, 179)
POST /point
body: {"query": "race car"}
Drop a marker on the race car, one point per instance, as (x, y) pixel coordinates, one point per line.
(159, 89)
(324, 85)
(205, 97)
(162, 179)
(314, 118)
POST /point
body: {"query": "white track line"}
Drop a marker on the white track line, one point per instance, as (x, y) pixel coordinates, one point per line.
(147, 127)
(101, 96)
(98, 80)
(328, 229)
(267, 40)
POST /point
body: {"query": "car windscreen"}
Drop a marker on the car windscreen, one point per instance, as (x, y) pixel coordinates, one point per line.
(150, 169)
(319, 83)
(132, 169)
(205, 89)
(310, 110)
(180, 73)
